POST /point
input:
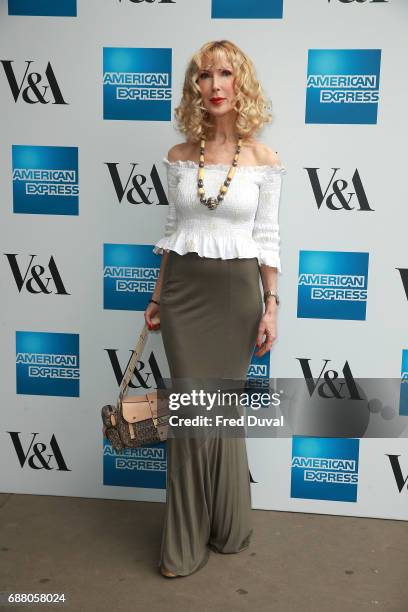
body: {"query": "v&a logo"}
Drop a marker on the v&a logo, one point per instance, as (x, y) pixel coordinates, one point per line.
(40, 88)
(136, 186)
(36, 456)
(339, 193)
(33, 279)
(401, 480)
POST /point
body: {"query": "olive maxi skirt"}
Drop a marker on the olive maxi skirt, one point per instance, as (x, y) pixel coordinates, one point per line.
(210, 310)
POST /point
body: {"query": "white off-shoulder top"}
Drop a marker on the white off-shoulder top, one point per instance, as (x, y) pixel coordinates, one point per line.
(244, 224)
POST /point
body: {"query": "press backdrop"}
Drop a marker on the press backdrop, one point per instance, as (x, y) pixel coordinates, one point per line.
(87, 100)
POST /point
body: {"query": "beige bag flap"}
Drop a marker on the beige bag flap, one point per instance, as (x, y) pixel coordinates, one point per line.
(137, 408)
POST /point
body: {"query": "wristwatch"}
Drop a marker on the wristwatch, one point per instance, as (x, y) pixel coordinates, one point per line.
(271, 293)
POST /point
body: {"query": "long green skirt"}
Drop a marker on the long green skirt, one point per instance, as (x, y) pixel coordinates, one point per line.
(210, 312)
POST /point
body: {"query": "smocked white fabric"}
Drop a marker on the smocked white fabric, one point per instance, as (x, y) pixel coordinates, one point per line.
(244, 224)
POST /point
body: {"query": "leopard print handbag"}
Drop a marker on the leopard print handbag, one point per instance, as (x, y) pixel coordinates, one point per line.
(135, 420)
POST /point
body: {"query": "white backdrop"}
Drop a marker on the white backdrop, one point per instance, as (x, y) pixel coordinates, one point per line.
(51, 441)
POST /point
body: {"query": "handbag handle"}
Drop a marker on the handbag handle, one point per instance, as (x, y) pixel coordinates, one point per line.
(140, 344)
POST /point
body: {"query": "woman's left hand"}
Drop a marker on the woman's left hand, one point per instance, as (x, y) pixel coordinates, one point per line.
(267, 327)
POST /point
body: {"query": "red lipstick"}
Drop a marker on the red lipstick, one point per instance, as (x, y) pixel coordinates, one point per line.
(216, 100)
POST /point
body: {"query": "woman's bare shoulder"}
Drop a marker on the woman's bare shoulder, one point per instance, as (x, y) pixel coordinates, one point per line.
(264, 155)
(180, 152)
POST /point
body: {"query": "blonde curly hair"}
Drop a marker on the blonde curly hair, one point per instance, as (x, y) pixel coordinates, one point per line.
(250, 103)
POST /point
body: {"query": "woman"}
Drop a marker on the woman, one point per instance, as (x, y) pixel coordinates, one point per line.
(208, 298)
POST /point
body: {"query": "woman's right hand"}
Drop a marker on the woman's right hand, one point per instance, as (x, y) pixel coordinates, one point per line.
(152, 316)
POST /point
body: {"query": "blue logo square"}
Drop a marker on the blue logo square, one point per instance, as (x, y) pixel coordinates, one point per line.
(257, 380)
(247, 9)
(325, 468)
(130, 272)
(47, 8)
(47, 363)
(137, 84)
(343, 86)
(404, 384)
(259, 366)
(144, 467)
(45, 180)
(332, 285)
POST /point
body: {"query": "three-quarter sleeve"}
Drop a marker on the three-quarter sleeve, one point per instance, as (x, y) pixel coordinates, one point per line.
(171, 218)
(172, 180)
(266, 224)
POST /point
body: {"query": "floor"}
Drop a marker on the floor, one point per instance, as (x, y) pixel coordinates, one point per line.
(103, 555)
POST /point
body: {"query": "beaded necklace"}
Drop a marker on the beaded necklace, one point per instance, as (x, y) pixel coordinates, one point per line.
(212, 202)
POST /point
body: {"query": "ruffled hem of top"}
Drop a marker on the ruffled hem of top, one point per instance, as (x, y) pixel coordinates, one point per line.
(188, 163)
(225, 247)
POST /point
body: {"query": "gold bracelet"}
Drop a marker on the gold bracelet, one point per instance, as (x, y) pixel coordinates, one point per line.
(270, 293)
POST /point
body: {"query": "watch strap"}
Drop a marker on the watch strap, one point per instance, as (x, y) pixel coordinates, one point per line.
(270, 293)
